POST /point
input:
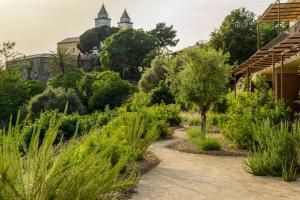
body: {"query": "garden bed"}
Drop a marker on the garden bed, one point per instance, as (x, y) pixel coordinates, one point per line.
(188, 146)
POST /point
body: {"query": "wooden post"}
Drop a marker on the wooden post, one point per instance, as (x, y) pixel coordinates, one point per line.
(273, 72)
(258, 36)
(279, 17)
(281, 77)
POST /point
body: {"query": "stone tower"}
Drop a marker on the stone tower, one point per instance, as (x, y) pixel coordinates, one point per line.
(103, 18)
(125, 21)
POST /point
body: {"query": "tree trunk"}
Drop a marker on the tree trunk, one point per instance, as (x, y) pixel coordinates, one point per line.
(204, 110)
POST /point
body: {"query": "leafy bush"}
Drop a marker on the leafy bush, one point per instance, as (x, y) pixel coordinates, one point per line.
(162, 94)
(276, 152)
(69, 125)
(109, 89)
(247, 109)
(170, 114)
(71, 171)
(14, 93)
(194, 121)
(209, 144)
(133, 129)
(202, 142)
(52, 99)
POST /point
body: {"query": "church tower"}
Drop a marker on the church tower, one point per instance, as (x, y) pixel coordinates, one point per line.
(125, 21)
(103, 18)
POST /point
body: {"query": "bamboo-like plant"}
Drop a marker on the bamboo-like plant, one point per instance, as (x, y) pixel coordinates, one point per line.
(61, 172)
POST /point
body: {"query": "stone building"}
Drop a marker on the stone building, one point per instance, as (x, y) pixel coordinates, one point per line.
(103, 18)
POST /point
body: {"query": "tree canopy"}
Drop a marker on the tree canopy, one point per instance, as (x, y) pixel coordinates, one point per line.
(204, 77)
(236, 36)
(129, 52)
(166, 35)
(94, 37)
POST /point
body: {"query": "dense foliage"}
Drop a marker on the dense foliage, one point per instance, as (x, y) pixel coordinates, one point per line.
(94, 38)
(109, 89)
(247, 109)
(277, 150)
(15, 92)
(129, 52)
(203, 79)
(166, 36)
(52, 99)
(93, 167)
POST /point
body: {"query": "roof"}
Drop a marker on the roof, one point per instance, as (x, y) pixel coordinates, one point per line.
(103, 10)
(69, 40)
(284, 12)
(125, 15)
(286, 44)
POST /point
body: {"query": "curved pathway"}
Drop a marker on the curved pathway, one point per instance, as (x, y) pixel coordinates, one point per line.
(182, 176)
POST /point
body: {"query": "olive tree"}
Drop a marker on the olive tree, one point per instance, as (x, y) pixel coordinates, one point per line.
(204, 78)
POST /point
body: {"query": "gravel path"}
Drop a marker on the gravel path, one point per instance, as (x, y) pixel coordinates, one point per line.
(182, 176)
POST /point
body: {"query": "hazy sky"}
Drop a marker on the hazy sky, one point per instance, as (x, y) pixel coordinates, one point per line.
(37, 25)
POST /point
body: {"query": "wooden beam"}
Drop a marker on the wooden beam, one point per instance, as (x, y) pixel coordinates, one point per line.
(273, 72)
(281, 77)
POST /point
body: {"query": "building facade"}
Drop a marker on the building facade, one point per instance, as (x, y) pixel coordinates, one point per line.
(70, 44)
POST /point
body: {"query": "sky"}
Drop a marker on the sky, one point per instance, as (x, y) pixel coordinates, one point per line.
(37, 25)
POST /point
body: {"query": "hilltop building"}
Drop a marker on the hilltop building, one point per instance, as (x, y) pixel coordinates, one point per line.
(125, 21)
(103, 18)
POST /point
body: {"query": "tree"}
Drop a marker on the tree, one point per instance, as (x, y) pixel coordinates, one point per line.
(109, 90)
(236, 36)
(152, 76)
(166, 36)
(61, 62)
(94, 37)
(129, 52)
(15, 92)
(52, 99)
(204, 78)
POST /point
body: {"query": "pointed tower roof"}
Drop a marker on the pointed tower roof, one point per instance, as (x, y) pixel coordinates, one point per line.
(125, 15)
(103, 13)
(103, 10)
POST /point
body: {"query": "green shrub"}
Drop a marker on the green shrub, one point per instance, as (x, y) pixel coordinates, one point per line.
(52, 99)
(69, 124)
(162, 94)
(70, 171)
(195, 133)
(202, 142)
(170, 114)
(163, 129)
(209, 144)
(14, 93)
(276, 151)
(109, 90)
(247, 109)
(133, 129)
(194, 121)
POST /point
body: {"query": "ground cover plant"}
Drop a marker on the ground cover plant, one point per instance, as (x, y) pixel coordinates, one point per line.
(204, 143)
(93, 167)
(276, 151)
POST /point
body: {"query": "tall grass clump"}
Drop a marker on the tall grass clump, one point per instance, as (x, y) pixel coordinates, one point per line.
(203, 142)
(74, 170)
(275, 151)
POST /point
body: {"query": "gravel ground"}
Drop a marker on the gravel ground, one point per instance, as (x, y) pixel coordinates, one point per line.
(182, 176)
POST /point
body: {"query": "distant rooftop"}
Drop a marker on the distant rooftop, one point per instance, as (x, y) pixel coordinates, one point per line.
(69, 40)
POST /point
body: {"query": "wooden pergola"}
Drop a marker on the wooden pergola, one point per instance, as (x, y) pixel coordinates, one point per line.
(286, 45)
